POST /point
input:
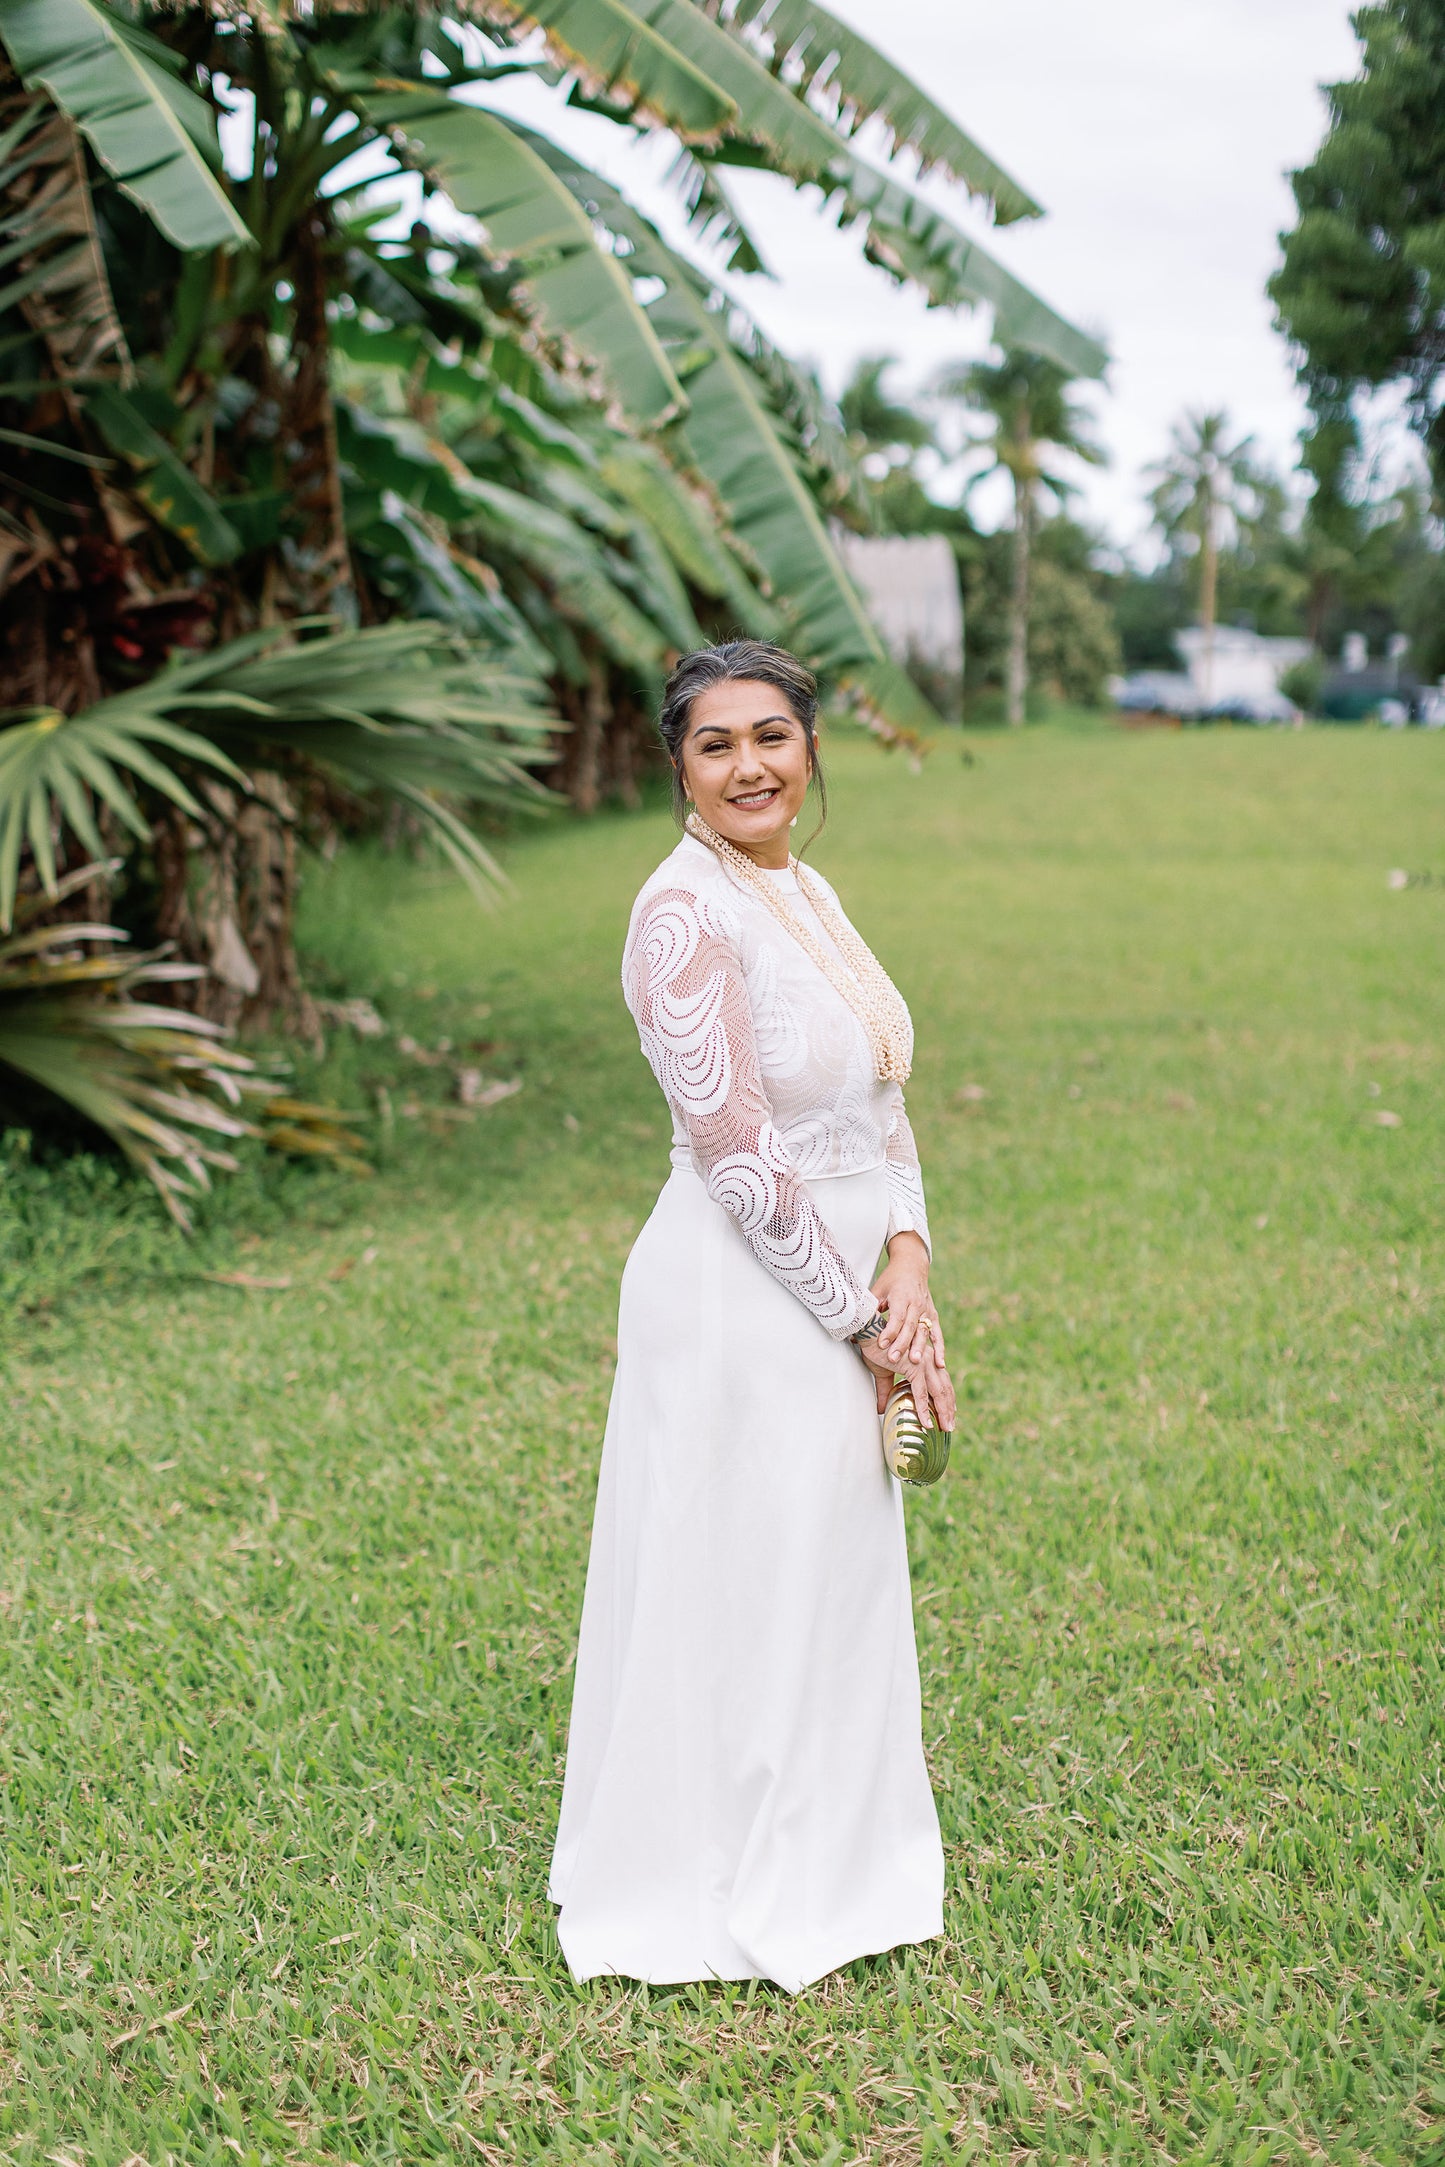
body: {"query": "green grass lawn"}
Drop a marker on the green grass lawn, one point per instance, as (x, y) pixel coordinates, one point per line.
(290, 1570)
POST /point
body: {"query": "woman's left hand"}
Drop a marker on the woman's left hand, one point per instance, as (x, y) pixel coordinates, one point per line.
(902, 1286)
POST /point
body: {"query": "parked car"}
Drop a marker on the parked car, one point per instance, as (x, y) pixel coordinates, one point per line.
(1260, 708)
(1156, 692)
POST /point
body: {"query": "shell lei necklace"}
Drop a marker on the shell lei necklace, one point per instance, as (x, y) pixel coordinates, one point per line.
(864, 985)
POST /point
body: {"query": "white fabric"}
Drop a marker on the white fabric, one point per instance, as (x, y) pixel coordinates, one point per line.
(767, 1070)
(746, 1794)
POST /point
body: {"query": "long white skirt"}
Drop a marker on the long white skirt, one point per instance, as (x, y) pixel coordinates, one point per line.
(746, 1795)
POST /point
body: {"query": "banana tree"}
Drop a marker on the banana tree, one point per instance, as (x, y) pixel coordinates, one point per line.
(231, 401)
(408, 88)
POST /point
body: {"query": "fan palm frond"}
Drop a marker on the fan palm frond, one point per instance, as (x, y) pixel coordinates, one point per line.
(396, 708)
(163, 1085)
(52, 765)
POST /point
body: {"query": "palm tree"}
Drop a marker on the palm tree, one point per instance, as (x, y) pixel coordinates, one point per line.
(1030, 420)
(1206, 481)
(882, 430)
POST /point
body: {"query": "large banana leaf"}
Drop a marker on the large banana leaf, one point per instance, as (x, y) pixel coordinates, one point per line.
(640, 565)
(688, 529)
(712, 213)
(909, 238)
(144, 125)
(554, 548)
(732, 438)
(162, 480)
(824, 56)
(583, 292)
(796, 394)
(906, 236)
(619, 54)
(890, 703)
(516, 528)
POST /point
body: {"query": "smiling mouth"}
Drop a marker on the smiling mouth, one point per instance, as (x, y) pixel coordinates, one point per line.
(754, 799)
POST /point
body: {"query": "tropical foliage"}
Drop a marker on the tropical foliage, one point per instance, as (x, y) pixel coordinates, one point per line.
(1030, 418)
(304, 512)
(1361, 289)
(1034, 618)
(1207, 483)
(76, 1029)
(1360, 294)
(1073, 644)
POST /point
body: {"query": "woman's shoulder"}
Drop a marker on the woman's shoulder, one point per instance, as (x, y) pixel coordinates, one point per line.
(811, 874)
(689, 880)
(689, 869)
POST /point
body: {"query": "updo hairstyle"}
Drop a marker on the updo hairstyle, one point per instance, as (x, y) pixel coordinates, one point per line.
(757, 661)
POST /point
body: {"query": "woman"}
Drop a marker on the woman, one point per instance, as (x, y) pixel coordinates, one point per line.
(746, 1795)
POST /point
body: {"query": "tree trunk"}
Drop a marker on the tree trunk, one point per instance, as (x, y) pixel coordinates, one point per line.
(1322, 597)
(228, 901)
(625, 738)
(587, 769)
(1208, 591)
(1017, 682)
(323, 558)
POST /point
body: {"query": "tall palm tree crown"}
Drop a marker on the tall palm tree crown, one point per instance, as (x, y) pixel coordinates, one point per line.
(1206, 480)
(882, 429)
(1031, 420)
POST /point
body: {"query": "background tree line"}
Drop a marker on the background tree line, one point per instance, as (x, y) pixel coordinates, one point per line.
(1234, 543)
(1333, 549)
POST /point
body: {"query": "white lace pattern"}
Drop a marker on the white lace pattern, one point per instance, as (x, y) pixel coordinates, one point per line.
(768, 1072)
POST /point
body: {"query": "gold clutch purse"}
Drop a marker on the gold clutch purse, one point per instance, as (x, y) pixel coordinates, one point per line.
(911, 1452)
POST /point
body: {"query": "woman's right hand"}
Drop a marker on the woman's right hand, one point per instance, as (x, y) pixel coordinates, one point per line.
(928, 1380)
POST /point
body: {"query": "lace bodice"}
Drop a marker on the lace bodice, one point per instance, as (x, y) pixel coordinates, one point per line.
(768, 1073)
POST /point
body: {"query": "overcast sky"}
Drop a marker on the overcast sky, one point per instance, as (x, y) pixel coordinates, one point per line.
(1157, 137)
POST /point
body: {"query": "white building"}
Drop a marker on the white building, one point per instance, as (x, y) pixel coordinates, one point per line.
(909, 583)
(1234, 664)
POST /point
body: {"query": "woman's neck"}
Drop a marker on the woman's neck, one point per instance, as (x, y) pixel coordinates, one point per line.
(771, 853)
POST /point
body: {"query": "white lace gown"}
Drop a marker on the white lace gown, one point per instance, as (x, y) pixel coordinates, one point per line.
(746, 1794)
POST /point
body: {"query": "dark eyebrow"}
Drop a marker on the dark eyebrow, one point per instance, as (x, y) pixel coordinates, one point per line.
(724, 729)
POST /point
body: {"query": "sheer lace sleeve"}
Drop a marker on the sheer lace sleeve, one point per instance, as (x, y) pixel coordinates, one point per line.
(684, 985)
(907, 1211)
